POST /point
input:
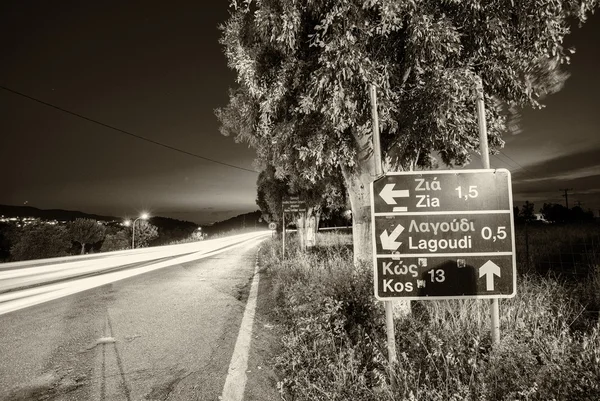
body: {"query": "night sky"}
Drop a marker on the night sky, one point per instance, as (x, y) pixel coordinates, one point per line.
(158, 71)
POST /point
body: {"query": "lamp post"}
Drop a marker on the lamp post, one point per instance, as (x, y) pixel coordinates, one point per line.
(144, 216)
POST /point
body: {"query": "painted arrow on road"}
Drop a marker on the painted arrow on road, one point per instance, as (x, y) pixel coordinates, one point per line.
(489, 269)
(388, 194)
(388, 241)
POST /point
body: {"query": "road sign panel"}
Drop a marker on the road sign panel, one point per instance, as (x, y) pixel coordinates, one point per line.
(442, 190)
(291, 199)
(450, 233)
(435, 277)
(455, 223)
(272, 226)
(294, 207)
(293, 204)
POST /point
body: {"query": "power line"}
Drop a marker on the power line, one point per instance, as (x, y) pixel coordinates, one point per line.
(123, 131)
(507, 162)
(510, 166)
(513, 160)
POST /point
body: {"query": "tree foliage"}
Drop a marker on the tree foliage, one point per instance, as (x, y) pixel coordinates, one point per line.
(324, 195)
(270, 192)
(304, 68)
(144, 233)
(40, 241)
(116, 241)
(171, 230)
(7, 238)
(557, 213)
(86, 231)
(527, 212)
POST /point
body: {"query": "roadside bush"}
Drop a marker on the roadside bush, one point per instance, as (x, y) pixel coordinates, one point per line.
(40, 241)
(332, 344)
(116, 241)
(334, 347)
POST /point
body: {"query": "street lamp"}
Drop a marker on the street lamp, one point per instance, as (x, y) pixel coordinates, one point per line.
(144, 216)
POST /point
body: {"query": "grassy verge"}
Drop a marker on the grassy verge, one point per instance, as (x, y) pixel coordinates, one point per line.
(334, 348)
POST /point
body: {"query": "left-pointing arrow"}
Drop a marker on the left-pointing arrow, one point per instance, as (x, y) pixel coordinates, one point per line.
(388, 194)
(388, 241)
(489, 270)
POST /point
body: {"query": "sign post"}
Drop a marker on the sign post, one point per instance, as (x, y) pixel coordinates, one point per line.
(444, 234)
(485, 160)
(389, 307)
(272, 227)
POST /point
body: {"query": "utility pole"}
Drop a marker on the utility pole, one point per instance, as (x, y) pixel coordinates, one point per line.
(566, 195)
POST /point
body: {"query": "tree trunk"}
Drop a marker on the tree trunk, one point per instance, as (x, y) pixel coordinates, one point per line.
(82, 248)
(310, 231)
(358, 180)
(317, 220)
(301, 231)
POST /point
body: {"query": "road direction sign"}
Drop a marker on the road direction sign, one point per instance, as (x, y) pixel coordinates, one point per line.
(445, 234)
(442, 190)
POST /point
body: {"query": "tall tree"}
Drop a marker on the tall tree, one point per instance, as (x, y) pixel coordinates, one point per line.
(144, 233)
(304, 67)
(86, 231)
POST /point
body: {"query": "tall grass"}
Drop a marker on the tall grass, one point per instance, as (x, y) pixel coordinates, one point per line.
(556, 248)
(334, 347)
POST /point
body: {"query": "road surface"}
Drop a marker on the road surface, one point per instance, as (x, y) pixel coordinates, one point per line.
(168, 334)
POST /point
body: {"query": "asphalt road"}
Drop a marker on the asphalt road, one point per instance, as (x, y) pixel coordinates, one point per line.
(167, 334)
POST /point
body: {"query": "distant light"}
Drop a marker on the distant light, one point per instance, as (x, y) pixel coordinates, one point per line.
(127, 223)
(144, 216)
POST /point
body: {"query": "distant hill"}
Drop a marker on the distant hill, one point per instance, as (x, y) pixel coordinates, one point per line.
(171, 229)
(50, 214)
(168, 229)
(247, 221)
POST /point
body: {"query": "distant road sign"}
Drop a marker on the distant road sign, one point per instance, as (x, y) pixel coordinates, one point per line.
(444, 234)
(272, 226)
(293, 204)
(291, 199)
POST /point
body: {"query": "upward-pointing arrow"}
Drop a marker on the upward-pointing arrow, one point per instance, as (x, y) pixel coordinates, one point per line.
(388, 241)
(388, 194)
(489, 269)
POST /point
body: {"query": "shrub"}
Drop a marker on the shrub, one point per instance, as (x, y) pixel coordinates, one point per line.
(334, 347)
(40, 241)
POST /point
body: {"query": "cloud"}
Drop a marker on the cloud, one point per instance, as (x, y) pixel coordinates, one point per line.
(562, 168)
(545, 181)
(569, 175)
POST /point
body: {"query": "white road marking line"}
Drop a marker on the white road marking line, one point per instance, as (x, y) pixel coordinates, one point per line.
(233, 390)
(14, 301)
